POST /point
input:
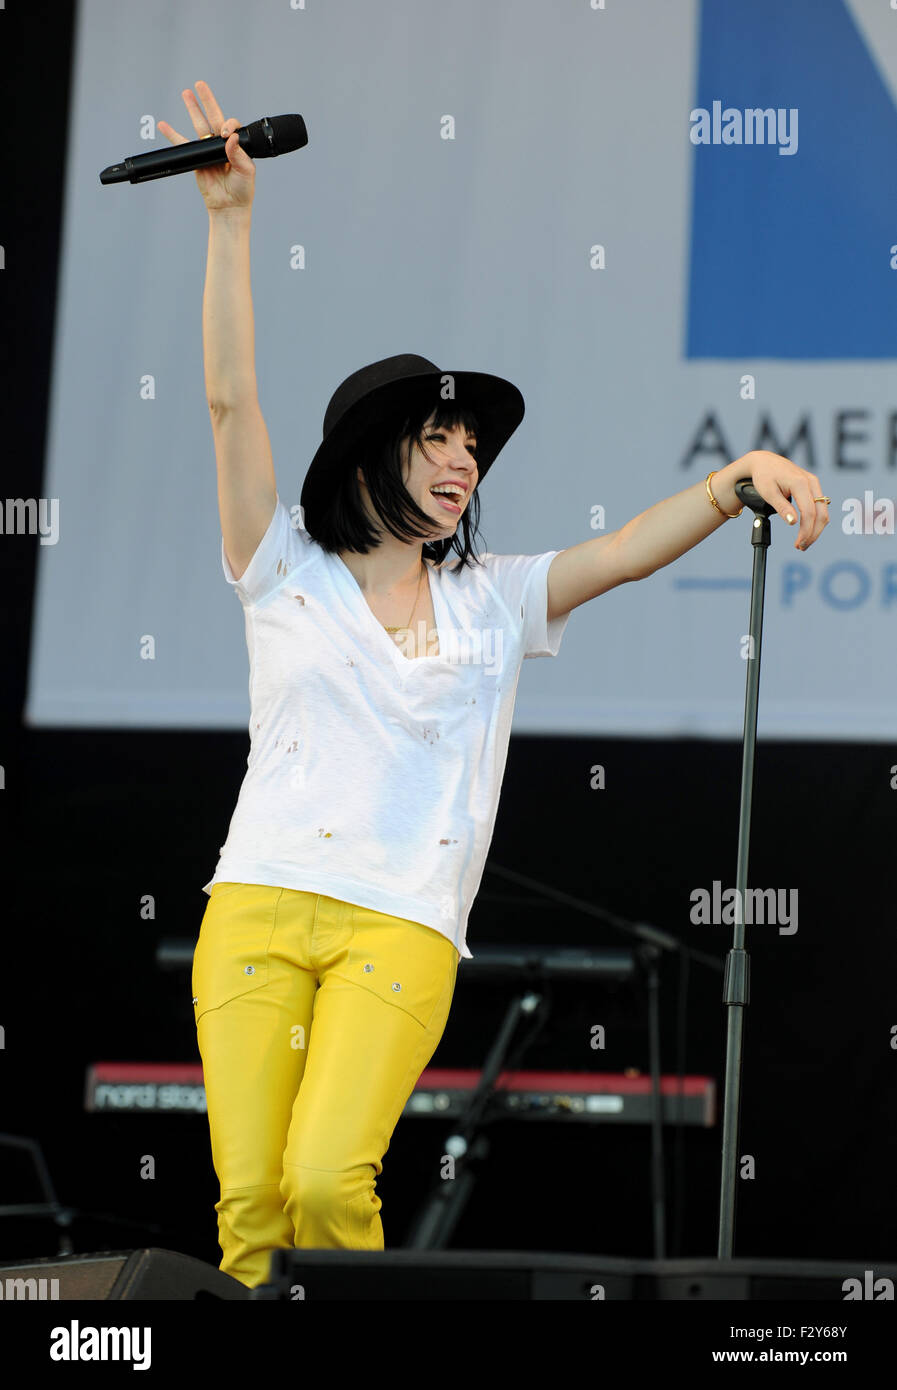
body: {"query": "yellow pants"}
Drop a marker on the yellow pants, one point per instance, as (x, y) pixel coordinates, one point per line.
(314, 1020)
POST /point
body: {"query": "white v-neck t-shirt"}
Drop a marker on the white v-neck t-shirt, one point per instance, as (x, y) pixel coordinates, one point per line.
(374, 777)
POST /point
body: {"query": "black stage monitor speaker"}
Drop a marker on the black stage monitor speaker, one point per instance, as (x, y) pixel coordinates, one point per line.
(128, 1275)
(516, 1275)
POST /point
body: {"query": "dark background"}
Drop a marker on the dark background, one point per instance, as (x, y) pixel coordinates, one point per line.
(93, 820)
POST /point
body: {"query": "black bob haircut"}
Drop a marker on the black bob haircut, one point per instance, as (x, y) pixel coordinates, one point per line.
(342, 523)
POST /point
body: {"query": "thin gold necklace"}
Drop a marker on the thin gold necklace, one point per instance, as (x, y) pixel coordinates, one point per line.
(416, 597)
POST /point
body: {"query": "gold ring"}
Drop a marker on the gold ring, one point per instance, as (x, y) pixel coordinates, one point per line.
(822, 499)
(209, 136)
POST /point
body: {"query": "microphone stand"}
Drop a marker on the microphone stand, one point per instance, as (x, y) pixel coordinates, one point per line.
(736, 984)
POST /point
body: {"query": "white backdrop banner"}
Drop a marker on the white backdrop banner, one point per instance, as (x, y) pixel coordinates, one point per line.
(673, 226)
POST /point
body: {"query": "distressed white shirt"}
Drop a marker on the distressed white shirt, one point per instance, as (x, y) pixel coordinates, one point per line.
(374, 777)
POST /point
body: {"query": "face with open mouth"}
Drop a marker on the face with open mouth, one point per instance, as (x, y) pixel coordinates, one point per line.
(443, 483)
(441, 480)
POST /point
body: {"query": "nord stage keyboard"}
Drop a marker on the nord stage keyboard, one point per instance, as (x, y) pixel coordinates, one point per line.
(594, 1097)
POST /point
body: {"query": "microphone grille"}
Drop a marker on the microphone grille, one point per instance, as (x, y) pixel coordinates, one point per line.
(275, 135)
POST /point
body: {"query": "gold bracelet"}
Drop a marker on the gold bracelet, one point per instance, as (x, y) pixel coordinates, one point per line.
(731, 515)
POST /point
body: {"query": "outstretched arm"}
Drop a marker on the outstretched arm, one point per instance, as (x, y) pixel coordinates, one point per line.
(667, 530)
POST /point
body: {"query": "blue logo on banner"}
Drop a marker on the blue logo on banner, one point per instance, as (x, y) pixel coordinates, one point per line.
(790, 252)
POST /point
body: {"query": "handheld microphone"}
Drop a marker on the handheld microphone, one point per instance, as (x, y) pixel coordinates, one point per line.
(262, 139)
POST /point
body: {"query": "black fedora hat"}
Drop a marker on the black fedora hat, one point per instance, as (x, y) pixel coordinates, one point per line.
(383, 388)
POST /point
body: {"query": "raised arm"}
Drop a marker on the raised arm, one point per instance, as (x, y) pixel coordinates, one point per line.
(247, 487)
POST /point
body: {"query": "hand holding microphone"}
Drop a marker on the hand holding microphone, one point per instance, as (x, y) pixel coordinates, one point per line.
(225, 168)
(227, 185)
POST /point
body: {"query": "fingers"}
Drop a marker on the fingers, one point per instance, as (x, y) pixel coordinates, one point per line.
(176, 138)
(197, 116)
(814, 515)
(211, 124)
(201, 123)
(780, 486)
(170, 133)
(213, 110)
